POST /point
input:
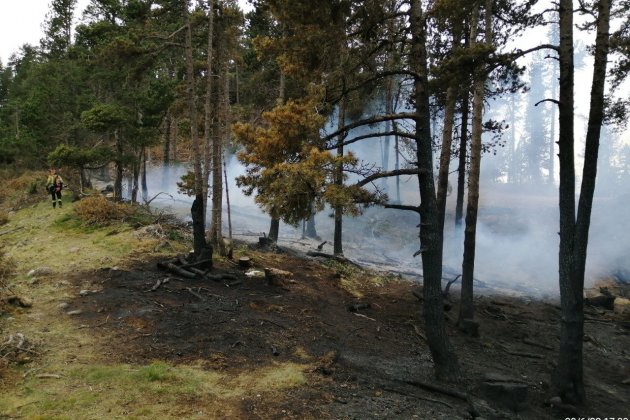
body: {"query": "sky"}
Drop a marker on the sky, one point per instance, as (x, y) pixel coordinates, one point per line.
(21, 23)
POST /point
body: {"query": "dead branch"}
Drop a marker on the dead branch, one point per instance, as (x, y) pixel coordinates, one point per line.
(168, 266)
(364, 316)
(437, 388)
(448, 286)
(158, 284)
(338, 258)
(195, 294)
(396, 391)
(6, 232)
(536, 344)
(48, 376)
(197, 263)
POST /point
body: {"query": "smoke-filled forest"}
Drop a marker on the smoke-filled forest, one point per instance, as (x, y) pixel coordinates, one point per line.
(317, 209)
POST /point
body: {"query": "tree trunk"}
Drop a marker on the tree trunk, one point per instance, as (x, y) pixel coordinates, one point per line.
(338, 232)
(199, 240)
(431, 239)
(136, 178)
(119, 166)
(208, 117)
(217, 157)
(568, 379)
(466, 311)
(274, 229)
(311, 231)
(463, 152)
(166, 150)
(145, 188)
(445, 154)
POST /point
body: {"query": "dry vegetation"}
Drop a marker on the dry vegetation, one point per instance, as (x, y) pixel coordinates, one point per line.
(98, 210)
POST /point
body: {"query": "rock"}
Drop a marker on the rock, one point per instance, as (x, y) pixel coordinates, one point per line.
(511, 395)
(40, 271)
(63, 305)
(19, 301)
(622, 306)
(151, 231)
(84, 292)
(75, 312)
(74, 249)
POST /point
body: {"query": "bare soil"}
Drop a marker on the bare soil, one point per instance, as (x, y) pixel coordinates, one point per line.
(363, 344)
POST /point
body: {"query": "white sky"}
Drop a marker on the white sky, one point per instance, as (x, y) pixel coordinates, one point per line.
(21, 23)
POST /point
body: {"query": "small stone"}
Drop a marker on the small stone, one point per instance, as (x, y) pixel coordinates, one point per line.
(40, 271)
(64, 305)
(75, 312)
(84, 292)
(74, 249)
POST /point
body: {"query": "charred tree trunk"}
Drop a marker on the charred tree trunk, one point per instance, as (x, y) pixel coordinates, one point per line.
(338, 232)
(568, 379)
(431, 239)
(199, 240)
(274, 229)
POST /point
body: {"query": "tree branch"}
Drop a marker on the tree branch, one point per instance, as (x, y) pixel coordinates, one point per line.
(379, 175)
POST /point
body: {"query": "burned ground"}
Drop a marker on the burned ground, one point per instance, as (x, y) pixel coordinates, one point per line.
(361, 341)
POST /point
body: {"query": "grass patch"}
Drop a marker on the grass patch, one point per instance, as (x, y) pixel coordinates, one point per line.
(158, 389)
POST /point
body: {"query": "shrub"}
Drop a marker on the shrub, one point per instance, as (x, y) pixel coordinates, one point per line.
(4, 217)
(97, 209)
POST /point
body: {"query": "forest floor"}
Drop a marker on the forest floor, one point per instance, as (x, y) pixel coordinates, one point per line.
(87, 337)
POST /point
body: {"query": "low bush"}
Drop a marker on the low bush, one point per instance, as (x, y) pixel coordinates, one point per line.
(98, 210)
(4, 217)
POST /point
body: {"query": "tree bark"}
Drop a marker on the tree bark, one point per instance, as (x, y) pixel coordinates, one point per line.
(445, 154)
(119, 165)
(199, 240)
(463, 152)
(568, 378)
(431, 239)
(466, 311)
(208, 117)
(338, 232)
(274, 229)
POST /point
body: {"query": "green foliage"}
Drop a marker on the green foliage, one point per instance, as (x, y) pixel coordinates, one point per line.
(105, 117)
(74, 157)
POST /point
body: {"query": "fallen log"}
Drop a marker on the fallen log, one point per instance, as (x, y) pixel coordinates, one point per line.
(168, 266)
(207, 263)
(332, 257)
(437, 388)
